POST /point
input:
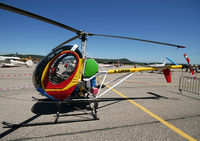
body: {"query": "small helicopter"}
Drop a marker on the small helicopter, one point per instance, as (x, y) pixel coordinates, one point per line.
(67, 75)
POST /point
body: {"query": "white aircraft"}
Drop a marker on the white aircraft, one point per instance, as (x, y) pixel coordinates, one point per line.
(106, 65)
(158, 65)
(6, 61)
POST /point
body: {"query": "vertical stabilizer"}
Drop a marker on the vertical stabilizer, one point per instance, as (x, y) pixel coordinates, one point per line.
(167, 74)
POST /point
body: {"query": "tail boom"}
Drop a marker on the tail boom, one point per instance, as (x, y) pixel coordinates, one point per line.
(166, 70)
(127, 70)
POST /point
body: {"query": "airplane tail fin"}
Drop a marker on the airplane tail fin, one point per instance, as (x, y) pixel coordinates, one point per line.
(171, 61)
(167, 74)
(164, 63)
(29, 63)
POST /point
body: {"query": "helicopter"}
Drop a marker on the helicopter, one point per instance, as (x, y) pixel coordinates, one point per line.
(68, 75)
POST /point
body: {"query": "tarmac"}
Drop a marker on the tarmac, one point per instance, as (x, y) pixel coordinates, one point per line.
(143, 107)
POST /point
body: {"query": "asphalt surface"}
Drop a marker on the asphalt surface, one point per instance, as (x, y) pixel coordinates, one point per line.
(155, 111)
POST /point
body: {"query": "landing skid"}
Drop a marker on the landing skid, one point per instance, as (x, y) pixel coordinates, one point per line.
(9, 125)
(92, 106)
(12, 125)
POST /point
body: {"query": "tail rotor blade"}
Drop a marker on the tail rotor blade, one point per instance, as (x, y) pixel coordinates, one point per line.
(130, 38)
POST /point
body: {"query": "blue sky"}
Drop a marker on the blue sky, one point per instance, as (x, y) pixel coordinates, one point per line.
(170, 21)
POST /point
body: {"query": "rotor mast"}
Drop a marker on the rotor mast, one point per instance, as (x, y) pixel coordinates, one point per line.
(83, 44)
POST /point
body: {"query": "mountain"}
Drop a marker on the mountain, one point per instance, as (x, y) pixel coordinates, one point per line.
(26, 55)
(99, 60)
(114, 61)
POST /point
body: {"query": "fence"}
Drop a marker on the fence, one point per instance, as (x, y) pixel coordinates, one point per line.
(189, 84)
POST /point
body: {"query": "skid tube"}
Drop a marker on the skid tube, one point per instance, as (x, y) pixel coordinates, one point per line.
(93, 109)
(84, 100)
(75, 100)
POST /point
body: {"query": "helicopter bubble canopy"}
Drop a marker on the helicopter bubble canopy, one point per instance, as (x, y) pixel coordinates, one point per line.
(57, 75)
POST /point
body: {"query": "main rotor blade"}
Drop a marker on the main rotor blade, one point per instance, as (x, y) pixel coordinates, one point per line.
(178, 46)
(32, 15)
(71, 39)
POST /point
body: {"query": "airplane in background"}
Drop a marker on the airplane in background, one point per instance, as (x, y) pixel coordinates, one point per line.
(162, 65)
(158, 65)
(12, 61)
(106, 65)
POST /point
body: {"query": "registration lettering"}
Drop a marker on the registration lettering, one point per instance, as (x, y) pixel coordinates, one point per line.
(121, 70)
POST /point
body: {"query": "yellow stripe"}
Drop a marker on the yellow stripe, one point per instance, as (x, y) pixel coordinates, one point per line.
(157, 117)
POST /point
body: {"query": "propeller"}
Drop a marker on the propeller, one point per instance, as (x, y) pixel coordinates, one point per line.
(38, 17)
(71, 39)
(80, 34)
(130, 38)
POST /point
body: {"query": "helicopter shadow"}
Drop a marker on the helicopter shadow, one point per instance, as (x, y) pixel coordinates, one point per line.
(82, 110)
(116, 100)
(47, 107)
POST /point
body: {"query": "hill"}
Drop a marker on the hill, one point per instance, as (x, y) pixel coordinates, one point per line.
(115, 61)
(99, 60)
(26, 55)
